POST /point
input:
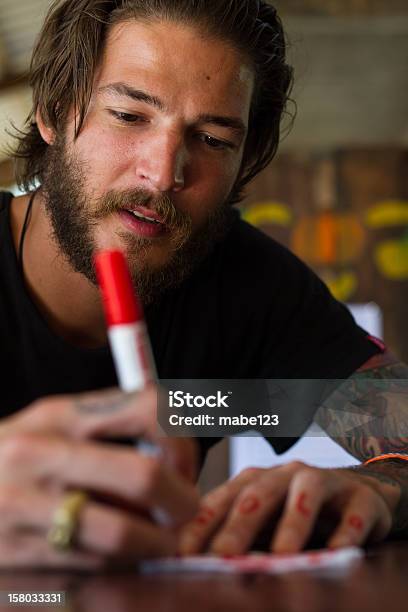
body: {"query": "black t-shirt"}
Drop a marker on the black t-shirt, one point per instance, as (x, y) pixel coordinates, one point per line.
(252, 310)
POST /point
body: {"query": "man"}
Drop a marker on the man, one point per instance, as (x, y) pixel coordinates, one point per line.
(149, 119)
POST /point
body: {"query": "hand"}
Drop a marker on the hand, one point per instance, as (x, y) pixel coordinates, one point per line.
(55, 444)
(295, 498)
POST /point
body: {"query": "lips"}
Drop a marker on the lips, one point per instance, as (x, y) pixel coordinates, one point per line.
(142, 226)
(144, 214)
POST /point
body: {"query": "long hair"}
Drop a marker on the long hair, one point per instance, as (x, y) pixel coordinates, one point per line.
(71, 43)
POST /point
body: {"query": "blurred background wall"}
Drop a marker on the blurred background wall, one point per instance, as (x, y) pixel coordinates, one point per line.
(20, 21)
(337, 194)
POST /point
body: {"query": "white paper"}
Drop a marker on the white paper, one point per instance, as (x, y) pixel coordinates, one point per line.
(258, 563)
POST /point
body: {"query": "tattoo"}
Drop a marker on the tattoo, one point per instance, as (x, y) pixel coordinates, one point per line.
(112, 401)
(368, 413)
(378, 361)
(249, 505)
(356, 522)
(204, 516)
(300, 505)
(393, 472)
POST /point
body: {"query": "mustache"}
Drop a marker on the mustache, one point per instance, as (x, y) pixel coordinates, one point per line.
(162, 205)
(177, 223)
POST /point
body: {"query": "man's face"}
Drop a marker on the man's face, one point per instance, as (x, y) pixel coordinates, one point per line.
(158, 155)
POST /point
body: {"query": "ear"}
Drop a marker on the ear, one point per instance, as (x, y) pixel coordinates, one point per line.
(47, 133)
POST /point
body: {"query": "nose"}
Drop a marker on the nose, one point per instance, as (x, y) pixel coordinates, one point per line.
(162, 164)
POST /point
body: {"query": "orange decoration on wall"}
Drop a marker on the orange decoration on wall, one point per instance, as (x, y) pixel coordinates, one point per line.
(328, 238)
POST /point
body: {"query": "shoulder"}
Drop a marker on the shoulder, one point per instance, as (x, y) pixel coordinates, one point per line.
(242, 234)
(5, 200)
(13, 209)
(249, 255)
(6, 207)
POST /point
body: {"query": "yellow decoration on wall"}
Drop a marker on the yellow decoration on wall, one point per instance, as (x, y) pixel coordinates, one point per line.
(342, 286)
(392, 259)
(265, 213)
(387, 213)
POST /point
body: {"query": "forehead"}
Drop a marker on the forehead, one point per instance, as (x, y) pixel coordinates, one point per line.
(179, 64)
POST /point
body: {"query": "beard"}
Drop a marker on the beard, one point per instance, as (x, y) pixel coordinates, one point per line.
(74, 222)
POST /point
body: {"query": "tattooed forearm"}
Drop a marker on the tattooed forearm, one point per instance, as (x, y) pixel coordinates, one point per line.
(368, 414)
(394, 473)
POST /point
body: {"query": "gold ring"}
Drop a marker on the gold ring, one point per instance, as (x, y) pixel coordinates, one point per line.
(64, 527)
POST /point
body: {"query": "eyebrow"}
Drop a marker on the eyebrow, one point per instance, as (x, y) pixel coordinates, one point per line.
(121, 89)
(237, 125)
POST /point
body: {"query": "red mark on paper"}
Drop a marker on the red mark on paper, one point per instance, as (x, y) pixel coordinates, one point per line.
(204, 516)
(356, 522)
(249, 505)
(315, 558)
(300, 505)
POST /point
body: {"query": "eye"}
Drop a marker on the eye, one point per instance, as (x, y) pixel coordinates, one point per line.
(215, 143)
(127, 117)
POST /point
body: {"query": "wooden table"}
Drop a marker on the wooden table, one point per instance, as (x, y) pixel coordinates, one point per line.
(377, 584)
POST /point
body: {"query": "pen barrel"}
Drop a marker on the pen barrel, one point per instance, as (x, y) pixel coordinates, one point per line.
(132, 355)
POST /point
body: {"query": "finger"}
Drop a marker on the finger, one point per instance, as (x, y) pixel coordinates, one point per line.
(309, 489)
(102, 531)
(213, 510)
(366, 514)
(182, 454)
(113, 532)
(116, 414)
(127, 474)
(253, 508)
(104, 413)
(31, 551)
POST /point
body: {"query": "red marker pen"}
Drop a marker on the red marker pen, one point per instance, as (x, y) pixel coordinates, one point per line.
(127, 332)
(128, 338)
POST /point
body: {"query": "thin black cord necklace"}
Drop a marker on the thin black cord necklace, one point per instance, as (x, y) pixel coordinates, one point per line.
(24, 231)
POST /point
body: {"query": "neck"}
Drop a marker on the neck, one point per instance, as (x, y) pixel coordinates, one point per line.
(69, 303)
